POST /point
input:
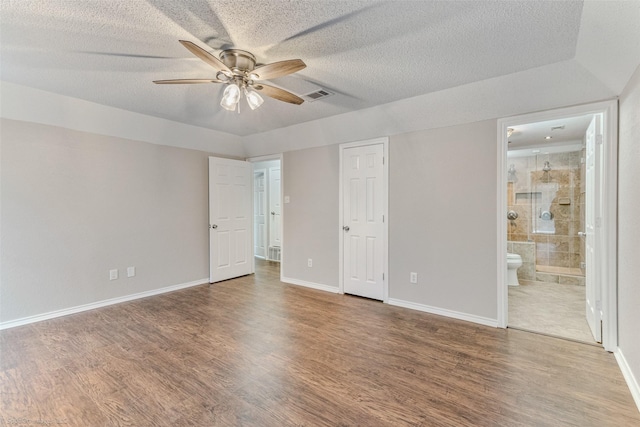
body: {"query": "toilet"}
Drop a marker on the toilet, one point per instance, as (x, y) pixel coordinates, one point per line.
(514, 261)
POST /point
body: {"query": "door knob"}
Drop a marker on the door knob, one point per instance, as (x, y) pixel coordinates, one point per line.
(345, 228)
(582, 234)
(214, 226)
(273, 213)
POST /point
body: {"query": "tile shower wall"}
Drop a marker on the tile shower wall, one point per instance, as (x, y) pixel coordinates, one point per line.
(534, 194)
(527, 252)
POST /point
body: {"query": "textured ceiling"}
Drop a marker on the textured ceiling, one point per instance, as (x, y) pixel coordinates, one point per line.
(367, 53)
(561, 131)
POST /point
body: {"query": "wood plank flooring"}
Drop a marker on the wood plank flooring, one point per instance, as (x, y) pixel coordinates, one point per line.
(256, 352)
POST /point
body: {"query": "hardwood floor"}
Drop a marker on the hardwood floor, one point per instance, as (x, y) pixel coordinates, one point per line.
(256, 352)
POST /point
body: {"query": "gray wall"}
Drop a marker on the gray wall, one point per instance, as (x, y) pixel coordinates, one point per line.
(442, 202)
(310, 226)
(629, 226)
(442, 213)
(76, 204)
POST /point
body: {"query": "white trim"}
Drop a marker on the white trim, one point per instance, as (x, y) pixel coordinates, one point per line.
(444, 312)
(318, 286)
(385, 202)
(608, 251)
(503, 302)
(609, 230)
(264, 158)
(627, 373)
(98, 304)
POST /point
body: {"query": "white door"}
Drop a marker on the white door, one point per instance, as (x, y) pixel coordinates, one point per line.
(260, 213)
(363, 227)
(230, 247)
(275, 209)
(593, 148)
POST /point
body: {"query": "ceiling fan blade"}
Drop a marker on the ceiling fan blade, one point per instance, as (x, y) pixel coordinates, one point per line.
(206, 57)
(185, 81)
(279, 94)
(277, 69)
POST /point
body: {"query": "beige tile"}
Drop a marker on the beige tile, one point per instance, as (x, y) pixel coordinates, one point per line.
(575, 260)
(571, 280)
(562, 228)
(526, 250)
(527, 271)
(559, 262)
(562, 212)
(516, 237)
(540, 238)
(559, 245)
(546, 277)
(550, 309)
(543, 260)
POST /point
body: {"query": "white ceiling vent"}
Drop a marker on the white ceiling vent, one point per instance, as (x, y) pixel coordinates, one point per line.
(318, 94)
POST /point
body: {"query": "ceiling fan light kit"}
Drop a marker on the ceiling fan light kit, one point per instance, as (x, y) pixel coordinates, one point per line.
(230, 97)
(237, 69)
(253, 99)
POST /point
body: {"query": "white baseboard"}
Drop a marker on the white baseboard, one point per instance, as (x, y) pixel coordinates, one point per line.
(627, 373)
(319, 286)
(444, 312)
(98, 304)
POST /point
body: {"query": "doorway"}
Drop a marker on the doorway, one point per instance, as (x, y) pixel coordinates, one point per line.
(267, 209)
(557, 175)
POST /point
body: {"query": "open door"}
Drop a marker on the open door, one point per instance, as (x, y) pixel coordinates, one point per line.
(230, 219)
(260, 213)
(275, 229)
(593, 204)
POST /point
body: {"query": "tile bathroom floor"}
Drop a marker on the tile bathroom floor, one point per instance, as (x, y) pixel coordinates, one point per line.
(549, 308)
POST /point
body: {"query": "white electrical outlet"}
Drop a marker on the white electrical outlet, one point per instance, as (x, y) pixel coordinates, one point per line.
(309, 262)
(113, 274)
(413, 277)
(131, 271)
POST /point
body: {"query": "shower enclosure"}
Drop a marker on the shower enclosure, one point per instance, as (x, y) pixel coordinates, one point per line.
(547, 192)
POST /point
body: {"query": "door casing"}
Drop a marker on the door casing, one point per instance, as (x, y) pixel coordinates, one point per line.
(280, 158)
(385, 268)
(259, 201)
(607, 232)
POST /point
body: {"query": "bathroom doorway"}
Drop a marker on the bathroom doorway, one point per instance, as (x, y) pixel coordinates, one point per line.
(557, 218)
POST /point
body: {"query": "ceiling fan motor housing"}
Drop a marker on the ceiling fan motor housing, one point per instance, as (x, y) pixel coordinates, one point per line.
(238, 60)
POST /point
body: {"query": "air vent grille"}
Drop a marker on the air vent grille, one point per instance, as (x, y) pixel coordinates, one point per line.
(314, 96)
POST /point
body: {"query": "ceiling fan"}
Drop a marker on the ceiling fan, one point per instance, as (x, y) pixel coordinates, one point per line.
(237, 68)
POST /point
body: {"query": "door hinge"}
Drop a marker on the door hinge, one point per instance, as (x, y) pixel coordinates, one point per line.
(383, 276)
(382, 218)
(598, 139)
(383, 160)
